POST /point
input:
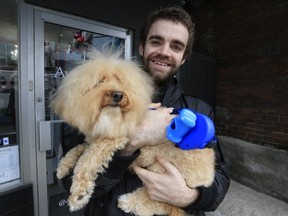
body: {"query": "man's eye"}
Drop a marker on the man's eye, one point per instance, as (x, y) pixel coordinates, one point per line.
(177, 48)
(155, 42)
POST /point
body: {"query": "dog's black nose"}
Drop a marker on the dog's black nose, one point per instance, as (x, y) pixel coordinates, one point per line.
(117, 96)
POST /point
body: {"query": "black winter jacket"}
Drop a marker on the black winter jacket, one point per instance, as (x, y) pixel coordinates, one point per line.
(117, 180)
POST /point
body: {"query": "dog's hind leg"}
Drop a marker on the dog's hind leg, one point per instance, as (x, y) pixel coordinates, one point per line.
(139, 203)
(67, 163)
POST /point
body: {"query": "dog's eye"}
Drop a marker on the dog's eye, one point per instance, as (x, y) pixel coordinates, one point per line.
(98, 83)
(102, 79)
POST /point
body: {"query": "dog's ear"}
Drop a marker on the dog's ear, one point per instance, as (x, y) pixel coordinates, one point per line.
(83, 115)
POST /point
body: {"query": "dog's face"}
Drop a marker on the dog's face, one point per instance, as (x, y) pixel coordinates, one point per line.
(104, 97)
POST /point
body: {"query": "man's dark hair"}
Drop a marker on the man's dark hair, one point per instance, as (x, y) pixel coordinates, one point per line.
(171, 13)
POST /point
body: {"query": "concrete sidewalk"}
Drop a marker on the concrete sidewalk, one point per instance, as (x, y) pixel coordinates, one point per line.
(243, 201)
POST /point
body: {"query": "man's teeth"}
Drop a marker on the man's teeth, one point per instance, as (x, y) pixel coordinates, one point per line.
(160, 63)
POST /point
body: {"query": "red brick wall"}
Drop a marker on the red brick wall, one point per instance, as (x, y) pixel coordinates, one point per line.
(250, 41)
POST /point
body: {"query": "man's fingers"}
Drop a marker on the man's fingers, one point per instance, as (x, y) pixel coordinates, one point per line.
(154, 106)
(165, 164)
(145, 175)
(140, 171)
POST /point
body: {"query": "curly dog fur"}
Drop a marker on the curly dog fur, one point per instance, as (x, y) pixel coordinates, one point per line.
(106, 98)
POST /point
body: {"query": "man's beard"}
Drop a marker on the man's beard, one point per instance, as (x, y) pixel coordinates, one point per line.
(158, 80)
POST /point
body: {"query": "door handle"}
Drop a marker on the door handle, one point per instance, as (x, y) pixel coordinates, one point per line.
(45, 135)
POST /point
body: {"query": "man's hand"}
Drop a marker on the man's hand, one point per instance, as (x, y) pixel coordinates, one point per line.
(169, 187)
(152, 130)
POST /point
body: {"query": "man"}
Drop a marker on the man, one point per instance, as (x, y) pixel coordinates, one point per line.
(166, 42)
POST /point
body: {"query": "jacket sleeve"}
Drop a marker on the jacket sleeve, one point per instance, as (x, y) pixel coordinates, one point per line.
(114, 173)
(210, 197)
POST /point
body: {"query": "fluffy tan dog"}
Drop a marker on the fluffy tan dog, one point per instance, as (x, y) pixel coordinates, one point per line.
(106, 98)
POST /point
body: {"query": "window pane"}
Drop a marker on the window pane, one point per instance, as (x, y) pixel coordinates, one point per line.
(9, 145)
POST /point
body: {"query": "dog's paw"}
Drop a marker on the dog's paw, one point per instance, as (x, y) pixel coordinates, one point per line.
(62, 172)
(129, 204)
(140, 204)
(78, 200)
(124, 203)
(134, 206)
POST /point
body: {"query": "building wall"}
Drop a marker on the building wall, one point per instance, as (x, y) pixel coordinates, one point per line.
(262, 168)
(250, 41)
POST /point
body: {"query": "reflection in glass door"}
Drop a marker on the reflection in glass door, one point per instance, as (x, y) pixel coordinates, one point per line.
(64, 48)
(10, 146)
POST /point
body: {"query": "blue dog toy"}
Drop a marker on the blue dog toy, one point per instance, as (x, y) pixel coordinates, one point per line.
(190, 130)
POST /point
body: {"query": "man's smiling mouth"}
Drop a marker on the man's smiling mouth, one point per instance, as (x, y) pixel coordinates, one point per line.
(160, 63)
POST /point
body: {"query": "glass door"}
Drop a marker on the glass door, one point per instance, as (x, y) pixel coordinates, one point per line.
(61, 43)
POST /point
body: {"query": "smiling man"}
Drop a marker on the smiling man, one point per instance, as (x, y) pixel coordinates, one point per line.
(166, 42)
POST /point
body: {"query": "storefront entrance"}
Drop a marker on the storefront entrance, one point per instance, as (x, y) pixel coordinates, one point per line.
(38, 48)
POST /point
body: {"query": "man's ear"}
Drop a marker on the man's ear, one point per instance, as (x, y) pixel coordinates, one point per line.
(183, 60)
(141, 50)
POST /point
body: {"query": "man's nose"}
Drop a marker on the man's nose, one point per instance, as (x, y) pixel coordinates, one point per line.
(164, 50)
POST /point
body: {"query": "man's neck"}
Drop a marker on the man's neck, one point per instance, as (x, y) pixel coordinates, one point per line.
(160, 92)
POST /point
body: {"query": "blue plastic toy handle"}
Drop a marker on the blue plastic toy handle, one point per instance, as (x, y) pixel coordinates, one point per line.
(180, 125)
(190, 130)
